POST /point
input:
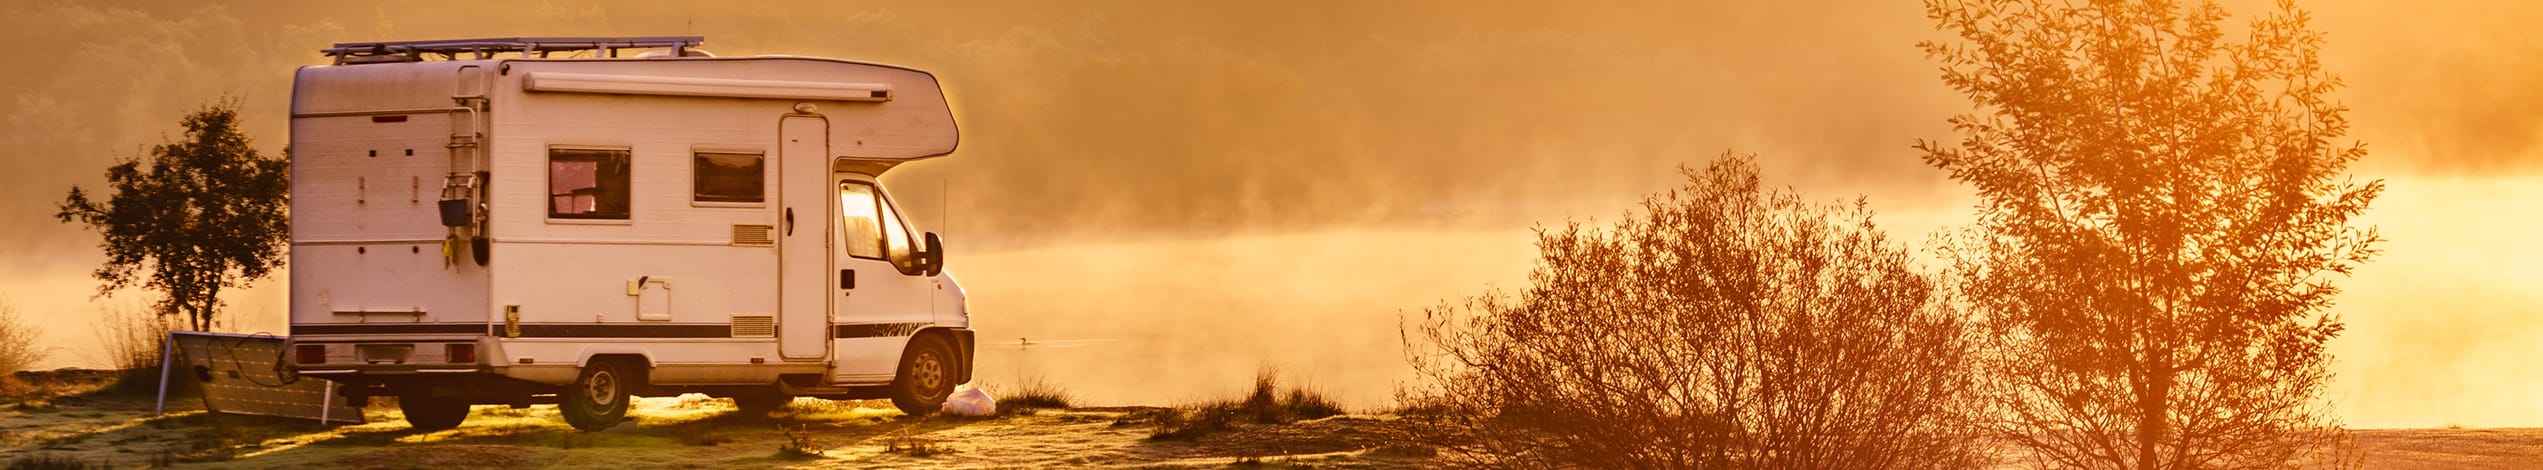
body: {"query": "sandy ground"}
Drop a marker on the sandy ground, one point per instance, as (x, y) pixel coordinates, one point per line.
(700, 432)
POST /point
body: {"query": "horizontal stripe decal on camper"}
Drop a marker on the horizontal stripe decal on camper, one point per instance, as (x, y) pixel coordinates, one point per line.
(532, 330)
(587, 330)
(712, 330)
(876, 330)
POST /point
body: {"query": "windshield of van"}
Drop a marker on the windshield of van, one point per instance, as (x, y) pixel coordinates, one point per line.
(896, 239)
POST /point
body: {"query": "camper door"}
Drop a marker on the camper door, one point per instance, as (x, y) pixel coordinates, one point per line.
(806, 286)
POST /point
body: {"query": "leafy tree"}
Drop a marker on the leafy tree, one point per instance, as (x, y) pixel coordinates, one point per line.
(2163, 210)
(205, 213)
(1728, 325)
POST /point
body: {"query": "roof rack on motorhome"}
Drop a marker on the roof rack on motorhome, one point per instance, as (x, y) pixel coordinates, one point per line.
(450, 49)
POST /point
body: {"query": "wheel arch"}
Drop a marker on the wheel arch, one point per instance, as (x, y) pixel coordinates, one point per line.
(640, 361)
(958, 338)
(642, 357)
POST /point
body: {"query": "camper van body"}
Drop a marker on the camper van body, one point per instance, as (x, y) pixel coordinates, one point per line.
(498, 230)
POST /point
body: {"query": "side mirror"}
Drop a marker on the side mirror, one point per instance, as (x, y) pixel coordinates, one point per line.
(935, 254)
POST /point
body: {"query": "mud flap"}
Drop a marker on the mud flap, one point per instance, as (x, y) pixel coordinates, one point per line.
(962, 347)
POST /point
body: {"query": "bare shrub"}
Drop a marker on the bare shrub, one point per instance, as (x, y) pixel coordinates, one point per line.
(19, 346)
(1726, 325)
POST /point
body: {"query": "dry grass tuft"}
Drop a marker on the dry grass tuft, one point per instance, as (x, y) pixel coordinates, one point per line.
(1266, 404)
(1034, 394)
(19, 391)
(914, 446)
(214, 444)
(1403, 451)
(566, 440)
(49, 461)
(698, 433)
(832, 410)
(798, 445)
(499, 412)
(132, 336)
(33, 406)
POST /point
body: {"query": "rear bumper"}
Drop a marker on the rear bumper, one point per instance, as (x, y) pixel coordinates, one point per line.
(420, 354)
(473, 387)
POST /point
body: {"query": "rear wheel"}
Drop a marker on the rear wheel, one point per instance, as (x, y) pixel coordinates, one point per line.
(926, 376)
(598, 397)
(426, 413)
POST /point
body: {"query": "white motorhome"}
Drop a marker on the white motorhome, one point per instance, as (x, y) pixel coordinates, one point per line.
(490, 221)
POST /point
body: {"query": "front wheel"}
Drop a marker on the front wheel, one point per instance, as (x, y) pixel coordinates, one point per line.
(926, 376)
(598, 397)
(426, 413)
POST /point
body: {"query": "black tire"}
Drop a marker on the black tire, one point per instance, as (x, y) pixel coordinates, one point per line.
(760, 403)
(426, 413)
(926, 376)
(597, 399)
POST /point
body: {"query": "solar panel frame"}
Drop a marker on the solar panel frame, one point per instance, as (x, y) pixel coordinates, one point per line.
(246, 374)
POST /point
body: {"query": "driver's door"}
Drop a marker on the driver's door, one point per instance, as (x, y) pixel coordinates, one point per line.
(881, 298)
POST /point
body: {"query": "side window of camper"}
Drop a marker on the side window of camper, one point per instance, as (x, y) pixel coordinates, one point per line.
(586, 183)
(896, 240)
(729, 177)
(862, 235)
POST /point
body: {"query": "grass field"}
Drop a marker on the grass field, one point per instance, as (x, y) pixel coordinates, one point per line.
(2452, 448)
(691, 431)
(78, 424)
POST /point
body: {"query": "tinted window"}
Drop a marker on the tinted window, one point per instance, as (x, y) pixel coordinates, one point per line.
(587, 184)
(729, 177)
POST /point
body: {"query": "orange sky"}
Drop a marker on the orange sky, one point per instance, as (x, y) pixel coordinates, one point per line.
(1340, 163)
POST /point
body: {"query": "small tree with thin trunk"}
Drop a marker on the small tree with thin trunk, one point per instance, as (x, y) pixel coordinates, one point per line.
(200, 215)
(2163, 211)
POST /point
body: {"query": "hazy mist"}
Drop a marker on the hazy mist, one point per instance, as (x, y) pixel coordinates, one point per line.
(1166, 196)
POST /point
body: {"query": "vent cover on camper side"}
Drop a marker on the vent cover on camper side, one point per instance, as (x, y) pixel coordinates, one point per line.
(754, 235)
(754, 326)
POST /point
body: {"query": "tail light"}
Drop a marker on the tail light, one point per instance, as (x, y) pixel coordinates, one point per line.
(460, 353)
(311, 353)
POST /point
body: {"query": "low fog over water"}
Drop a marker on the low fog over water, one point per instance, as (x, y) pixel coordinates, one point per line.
(1154, 199)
